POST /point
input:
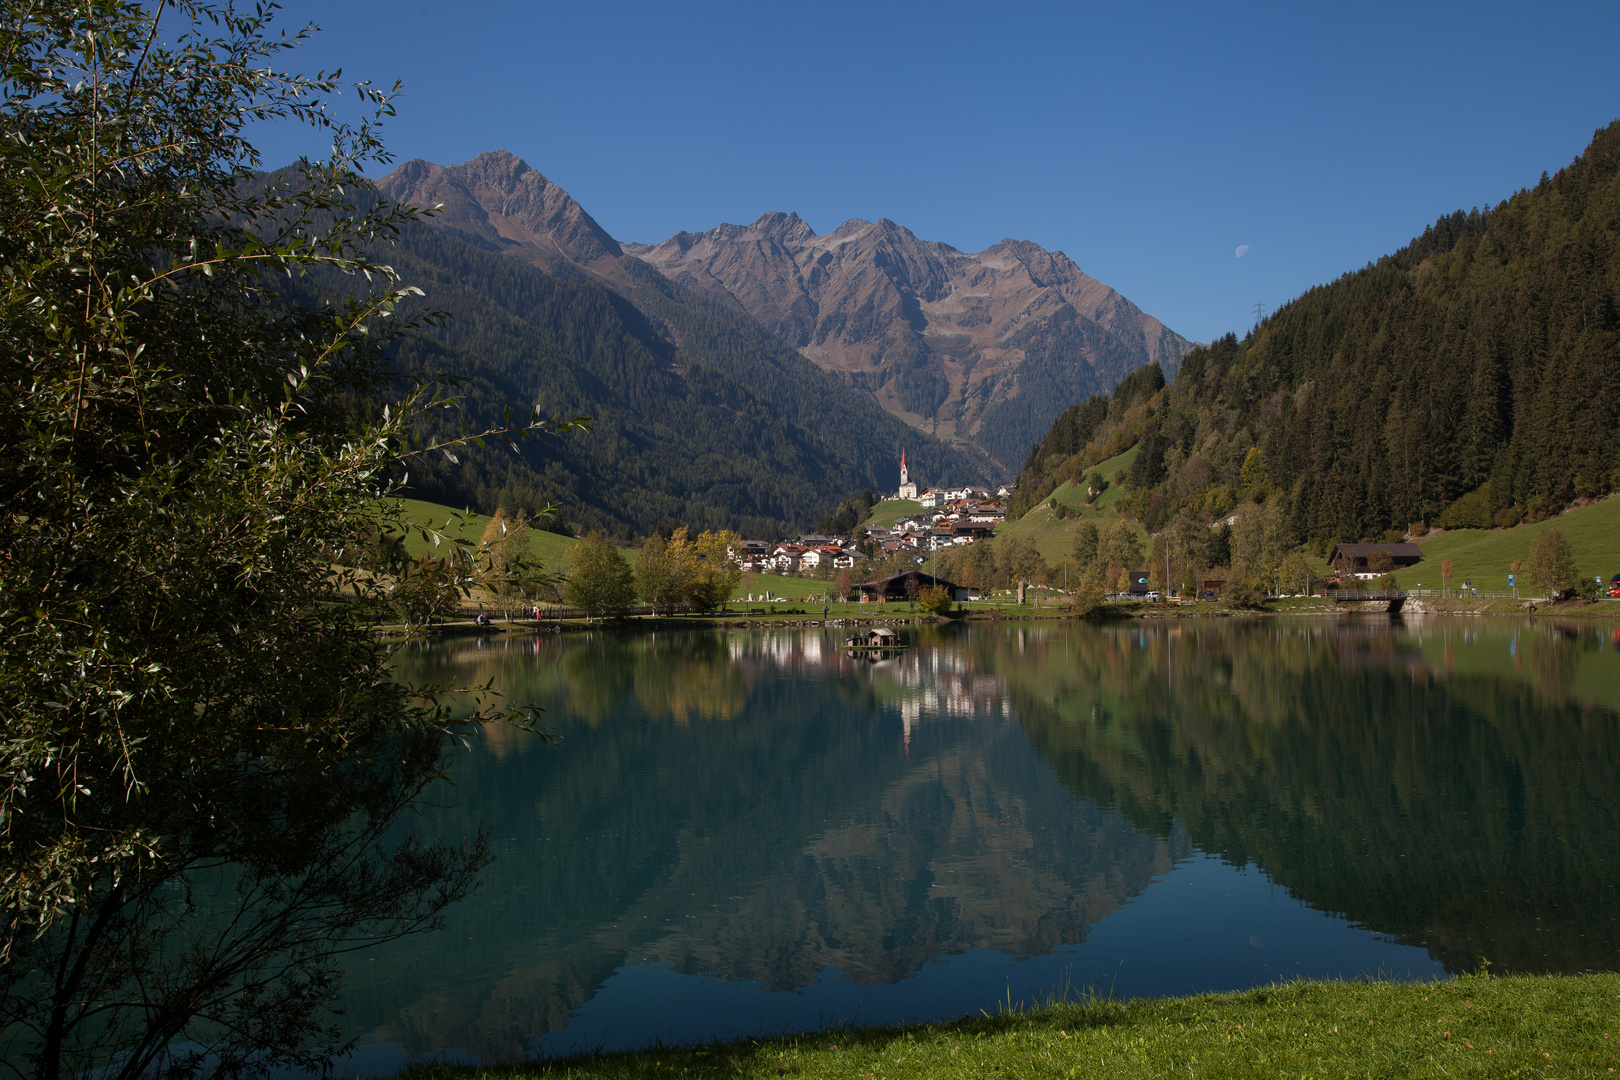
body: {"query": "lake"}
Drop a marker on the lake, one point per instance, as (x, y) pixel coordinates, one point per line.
(751, 832)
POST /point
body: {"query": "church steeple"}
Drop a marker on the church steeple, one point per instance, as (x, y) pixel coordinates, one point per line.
(908, 487)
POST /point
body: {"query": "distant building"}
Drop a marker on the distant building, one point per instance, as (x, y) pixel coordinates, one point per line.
(974, 530)
(908, 486)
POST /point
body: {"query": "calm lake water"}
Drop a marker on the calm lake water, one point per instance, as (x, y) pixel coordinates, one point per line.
(753, 832)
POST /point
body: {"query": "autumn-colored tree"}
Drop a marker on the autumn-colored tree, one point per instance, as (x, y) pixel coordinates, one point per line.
(935, 600)
(721, 569)
(507, 568)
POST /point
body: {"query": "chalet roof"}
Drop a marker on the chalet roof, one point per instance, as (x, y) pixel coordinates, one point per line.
(921, 577)
(1361, 551)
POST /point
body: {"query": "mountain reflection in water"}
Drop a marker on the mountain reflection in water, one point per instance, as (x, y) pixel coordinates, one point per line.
(763, 808)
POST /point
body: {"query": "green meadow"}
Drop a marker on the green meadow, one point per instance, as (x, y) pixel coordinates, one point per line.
(1472, 1026)
(1484, 555)
(889, 511)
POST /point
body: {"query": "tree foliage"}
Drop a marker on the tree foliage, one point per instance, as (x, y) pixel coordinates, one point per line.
(205, 757)
(599, 580)
(1551, 569)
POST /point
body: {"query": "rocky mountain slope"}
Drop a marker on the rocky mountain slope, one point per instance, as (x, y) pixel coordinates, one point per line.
(985, 349)
(966, 344)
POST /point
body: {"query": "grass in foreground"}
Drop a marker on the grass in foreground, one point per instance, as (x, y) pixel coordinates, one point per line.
(1470, 1027)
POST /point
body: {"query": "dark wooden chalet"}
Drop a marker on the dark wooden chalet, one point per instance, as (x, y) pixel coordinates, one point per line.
(909, 584)
(1352, 558)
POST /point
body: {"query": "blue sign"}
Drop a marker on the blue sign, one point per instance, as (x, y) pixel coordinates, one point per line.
(1510, 581)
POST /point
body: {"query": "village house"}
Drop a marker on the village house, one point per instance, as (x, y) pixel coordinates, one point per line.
(968, 531)
(1360, 559)
(785, 558)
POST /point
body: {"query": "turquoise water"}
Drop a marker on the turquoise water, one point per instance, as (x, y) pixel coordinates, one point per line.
(752, 832)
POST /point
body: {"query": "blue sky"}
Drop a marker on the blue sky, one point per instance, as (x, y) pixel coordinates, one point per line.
(1147, 141)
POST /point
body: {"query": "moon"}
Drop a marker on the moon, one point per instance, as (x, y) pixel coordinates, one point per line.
(1243, 249)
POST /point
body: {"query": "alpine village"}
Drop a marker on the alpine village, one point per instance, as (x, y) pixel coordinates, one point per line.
(452, 633)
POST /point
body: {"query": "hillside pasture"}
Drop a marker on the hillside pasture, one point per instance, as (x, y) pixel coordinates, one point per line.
(551, 549)
(889, 511)
(1484, 555)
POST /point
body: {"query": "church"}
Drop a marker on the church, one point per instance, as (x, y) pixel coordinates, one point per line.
(908, 486)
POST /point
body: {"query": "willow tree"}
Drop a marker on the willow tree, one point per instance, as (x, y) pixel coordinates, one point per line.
(205, 760)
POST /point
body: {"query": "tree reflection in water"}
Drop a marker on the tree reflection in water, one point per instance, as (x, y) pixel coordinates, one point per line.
(765, 806)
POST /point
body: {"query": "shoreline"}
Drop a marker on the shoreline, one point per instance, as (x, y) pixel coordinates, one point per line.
(1467, 1026)
(1599, 611)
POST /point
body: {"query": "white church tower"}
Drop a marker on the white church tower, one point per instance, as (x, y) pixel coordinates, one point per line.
(908, 488)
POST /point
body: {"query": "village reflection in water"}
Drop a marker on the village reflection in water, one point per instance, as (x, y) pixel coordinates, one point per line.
(731, 817)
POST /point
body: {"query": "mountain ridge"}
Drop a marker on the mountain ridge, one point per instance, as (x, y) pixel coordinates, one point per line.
(918, 325)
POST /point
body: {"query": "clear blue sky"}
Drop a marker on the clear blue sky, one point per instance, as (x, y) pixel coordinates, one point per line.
(1147, 141)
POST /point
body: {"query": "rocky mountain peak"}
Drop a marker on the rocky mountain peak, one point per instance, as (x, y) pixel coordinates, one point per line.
(927, 328)
(501, 203)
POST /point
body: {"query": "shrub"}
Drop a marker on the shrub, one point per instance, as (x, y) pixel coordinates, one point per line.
(935, 601)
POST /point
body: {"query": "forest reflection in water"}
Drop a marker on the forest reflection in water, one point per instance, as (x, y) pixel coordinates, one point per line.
(759, 809)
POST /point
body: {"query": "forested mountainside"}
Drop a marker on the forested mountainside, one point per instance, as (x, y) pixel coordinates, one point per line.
(728, 428)
(984, 346)
(1471, 379)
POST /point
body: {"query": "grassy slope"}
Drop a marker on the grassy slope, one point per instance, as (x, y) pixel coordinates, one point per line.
(1053, 537)
(1483, 555)
(889, 511)
(551, 549)
(1469, 1027)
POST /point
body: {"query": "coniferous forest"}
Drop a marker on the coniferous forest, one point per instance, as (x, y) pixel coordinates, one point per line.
(1471, 379)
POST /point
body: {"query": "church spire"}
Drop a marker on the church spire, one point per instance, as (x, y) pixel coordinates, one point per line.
(908, 487)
